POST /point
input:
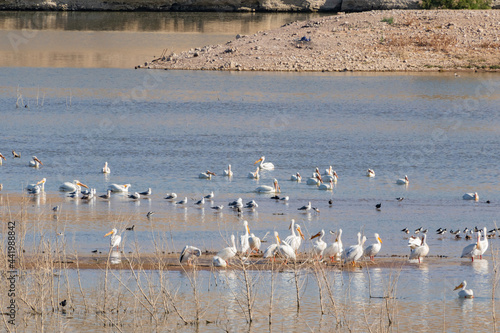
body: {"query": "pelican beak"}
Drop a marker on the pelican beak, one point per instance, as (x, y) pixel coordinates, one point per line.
(317, 235)
(41, 181)
(109, 233)
(260, 159)
(380, 240)
(82, 185)
(335, 174)
(36, 159)
(301, 234)
(279, 240)
(290, 226)
(248, 229)
(336, 239)
(461, 285)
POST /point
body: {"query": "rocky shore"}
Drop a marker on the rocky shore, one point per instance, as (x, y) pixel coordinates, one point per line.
(395, 40)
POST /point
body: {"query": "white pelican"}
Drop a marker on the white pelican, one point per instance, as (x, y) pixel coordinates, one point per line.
(269, 189)
(370, 173)
(329, 171)
(107, 195)
(171, 196)
(182, 202)
(403, 181)
(332, 177)
(414, 242)
(228, 172)
(326, 187)
(229, 252)
(35, 162)
(471, 196)
(354, 252)
(106, 169)
(189, 253)
(254, 243)
(472, 250)
(245, 246)
(36, 188)
(254, 175)
(296, 178)
(209, 196)
(206, 175)
(305, 208)
(115, 238)
(118, 188)
(314, 180)
(146, 193)
(264, 166)
(273, 248)
(420, 251)
(319, 245)
(484, 243)
(218, 262)
(285, 250)
(2, 157)
(335, 249)
(464, 293)
(295, 239)
(71, 187)
(135, 196)
(373, 249)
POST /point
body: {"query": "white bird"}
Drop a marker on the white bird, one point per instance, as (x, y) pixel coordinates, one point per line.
(209, 196)
(146, 193)
(266, 165)
(471, 196)
(135, 196)
(328, 171)
(35, 162)
(36, 188)
(315, 179)
(218, 262)
(286, 251)
(370, 173)
(71, 187)
(472, 250)
(244, 243)
(333, 177)
(326, 187)
(254, 175)
(115, 238)
(373, 249)
(296, 178)
(335, 249)
(306, 207)
(403, 181)
(414, 242)
(285, 198)
(106, 169)
(238, 203)
(251, 204)
(464, 293)
(182, 202)
(354, 252)
(188, 254)
(420, 251)
(90, 195)
(206, 175)
(319, 245)
(228, 172)
(254, 243)
(269, 189)
(219, 207)
(2, 158)
(229, 252)
(295, 240)
(119, 188)
(272, 249)
(171, 196)
(484, 243)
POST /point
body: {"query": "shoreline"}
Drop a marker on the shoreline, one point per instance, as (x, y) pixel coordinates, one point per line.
(376, 41)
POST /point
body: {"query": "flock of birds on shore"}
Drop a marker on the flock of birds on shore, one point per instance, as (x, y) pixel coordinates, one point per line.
(286, 249)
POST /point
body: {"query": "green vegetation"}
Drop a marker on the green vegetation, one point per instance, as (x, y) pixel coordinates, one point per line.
(456, 4)
(388, 20)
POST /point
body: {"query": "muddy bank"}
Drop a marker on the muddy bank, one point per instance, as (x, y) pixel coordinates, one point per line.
(395, 40)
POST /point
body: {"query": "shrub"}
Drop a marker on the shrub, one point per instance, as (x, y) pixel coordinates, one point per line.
(456, 4)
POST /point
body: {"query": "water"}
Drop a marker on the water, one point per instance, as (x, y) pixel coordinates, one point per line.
(160, 129)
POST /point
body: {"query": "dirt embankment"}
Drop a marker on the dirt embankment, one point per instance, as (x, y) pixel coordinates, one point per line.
(396, 40)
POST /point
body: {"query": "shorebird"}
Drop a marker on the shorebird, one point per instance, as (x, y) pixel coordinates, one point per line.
(148, 192)
(171, 196)
(149, 214)
(16, 155)
(107, 195)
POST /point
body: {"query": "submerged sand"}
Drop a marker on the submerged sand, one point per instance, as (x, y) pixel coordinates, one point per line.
(395, 40)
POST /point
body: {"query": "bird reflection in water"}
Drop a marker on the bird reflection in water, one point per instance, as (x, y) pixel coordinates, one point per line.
(115, 257)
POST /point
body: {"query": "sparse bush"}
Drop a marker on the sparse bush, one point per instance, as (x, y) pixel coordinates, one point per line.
(456, 4)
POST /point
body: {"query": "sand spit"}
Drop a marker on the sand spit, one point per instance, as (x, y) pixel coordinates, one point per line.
(395, 40)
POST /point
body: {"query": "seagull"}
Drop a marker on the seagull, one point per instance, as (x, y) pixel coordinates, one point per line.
(217, 207)
(106, 196)
(134, 196)
(237, 203)
(55, 208)
(285, 198)
(251, 204)
(171, 196)
(182, 202)
(200, 202)
(148, 192)
(306, 207)
(210, 196)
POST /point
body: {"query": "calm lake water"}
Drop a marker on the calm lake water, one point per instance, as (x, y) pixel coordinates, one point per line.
(160, 129)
